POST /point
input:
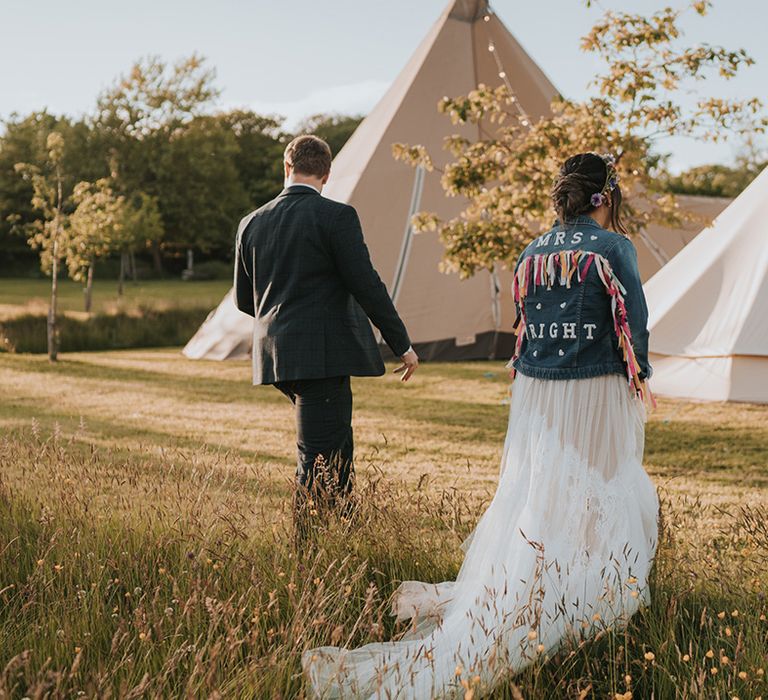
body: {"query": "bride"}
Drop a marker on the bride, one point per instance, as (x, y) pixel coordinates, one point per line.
(566, 545)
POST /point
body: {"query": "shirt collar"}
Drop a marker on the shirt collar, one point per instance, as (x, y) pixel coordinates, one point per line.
(290, 184)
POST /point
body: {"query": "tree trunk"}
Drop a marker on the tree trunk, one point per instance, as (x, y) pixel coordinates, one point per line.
(89, 289)
(190, 260)
(121, 278)
(158, 260)
(51, 323)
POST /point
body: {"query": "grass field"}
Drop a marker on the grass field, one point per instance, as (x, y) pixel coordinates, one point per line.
(24, 295)
(145, 546)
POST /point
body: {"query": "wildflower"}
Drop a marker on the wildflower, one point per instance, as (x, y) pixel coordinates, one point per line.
(540, 648)
(317, 581)
(627, 679)
(713, 670)
(40, 562)
(734, 613)
(743, 675)
(760, 672)
(596, 617)
(686, 657)
(58, 567)
(161, 571)
(710, 654)
(728, 632)
(634, 594)
(143, 636)
(649, 656)
(532, 635)
(721, 615)
(631, 580)
(724, 660)
(762, 618)
(78, 650)
(459, 670)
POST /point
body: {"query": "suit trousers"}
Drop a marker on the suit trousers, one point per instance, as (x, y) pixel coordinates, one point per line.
(323, 434)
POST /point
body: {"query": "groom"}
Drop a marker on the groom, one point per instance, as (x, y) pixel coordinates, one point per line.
(302, 270)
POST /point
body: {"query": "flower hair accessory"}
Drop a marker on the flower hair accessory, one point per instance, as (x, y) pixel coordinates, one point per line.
(611, 180)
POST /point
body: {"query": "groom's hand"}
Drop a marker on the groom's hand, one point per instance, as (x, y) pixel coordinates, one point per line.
(410, 363)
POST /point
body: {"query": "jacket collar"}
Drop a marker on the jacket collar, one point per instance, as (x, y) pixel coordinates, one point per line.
(298, 189)
(581, 219)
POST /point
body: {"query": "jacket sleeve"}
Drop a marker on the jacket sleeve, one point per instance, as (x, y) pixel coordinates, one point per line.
(243, 282)
(623, 259)
(361, 279)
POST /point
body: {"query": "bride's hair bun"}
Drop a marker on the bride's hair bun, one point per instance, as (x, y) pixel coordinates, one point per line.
(580, 177)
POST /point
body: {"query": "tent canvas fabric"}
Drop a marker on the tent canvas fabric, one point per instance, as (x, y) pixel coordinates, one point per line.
(709, 308)
(447, 318)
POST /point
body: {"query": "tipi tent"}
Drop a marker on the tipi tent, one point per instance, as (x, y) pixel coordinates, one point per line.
(709, 308)
(447, 318)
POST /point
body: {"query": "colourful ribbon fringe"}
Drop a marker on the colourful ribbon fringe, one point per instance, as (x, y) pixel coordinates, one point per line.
(561, 267)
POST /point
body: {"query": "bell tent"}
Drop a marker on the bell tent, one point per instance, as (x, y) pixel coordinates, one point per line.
(709, 308)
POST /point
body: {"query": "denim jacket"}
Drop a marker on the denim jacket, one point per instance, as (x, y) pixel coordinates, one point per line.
(581, 311)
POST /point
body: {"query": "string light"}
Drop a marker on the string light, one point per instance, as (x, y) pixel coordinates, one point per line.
(524, 119)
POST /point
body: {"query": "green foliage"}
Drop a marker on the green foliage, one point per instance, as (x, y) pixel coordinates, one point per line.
(24, 141)
(146, 329)
(711, 180)
(96, 227)
(46, 234)
(507, 177)
(259, 154)
(187, 172)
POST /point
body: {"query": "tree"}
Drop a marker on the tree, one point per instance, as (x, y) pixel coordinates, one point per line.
(24, 141)
(259, 155)
(335, 129)
(142, 222)
(506, 178)
(95, 230)
(47, 234)
(140, 117)
(200, 194)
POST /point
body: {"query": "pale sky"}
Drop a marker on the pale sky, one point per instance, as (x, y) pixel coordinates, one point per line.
(298, 57)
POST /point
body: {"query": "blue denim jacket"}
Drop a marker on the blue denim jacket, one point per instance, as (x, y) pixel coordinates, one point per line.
(580, 305)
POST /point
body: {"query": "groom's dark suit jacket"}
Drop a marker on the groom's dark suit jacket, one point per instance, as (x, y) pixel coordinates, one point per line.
(303, 271)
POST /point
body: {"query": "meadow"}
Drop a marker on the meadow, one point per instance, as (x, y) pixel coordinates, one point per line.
(146, 548)
(24, 295)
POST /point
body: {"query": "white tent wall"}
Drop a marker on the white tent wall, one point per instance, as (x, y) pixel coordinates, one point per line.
(709, 308)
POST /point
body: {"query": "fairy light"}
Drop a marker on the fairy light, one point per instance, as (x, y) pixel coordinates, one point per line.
(524, 118)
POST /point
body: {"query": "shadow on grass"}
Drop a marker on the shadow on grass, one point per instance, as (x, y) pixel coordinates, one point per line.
(722, 453)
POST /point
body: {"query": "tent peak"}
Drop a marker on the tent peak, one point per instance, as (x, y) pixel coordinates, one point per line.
(468, 10)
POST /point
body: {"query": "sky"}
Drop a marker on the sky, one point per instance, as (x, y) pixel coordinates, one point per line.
(299, 57)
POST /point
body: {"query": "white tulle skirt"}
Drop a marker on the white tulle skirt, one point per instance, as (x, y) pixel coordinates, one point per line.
(563, 550)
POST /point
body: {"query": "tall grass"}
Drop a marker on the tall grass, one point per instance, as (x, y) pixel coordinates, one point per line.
(144, 328)
(177, 577)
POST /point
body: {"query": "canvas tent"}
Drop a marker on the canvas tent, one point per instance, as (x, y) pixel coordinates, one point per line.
(447, 318)
(709, 308)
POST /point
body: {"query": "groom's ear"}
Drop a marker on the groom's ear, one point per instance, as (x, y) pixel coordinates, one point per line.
(287, 168)
(325, 178)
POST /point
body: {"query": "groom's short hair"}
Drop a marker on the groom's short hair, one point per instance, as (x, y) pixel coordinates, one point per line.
(309, 155)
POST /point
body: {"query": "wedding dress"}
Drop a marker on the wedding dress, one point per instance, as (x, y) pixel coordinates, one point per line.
(563, 550)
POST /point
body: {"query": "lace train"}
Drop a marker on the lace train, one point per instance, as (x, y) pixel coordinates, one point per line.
(564, 549)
